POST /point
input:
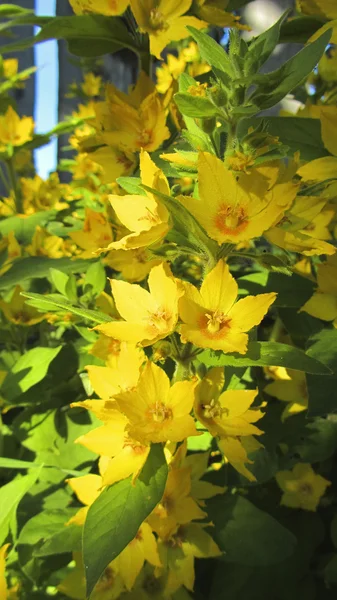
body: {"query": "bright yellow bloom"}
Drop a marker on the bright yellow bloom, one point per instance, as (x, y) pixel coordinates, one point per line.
(178, 552)
(164, 21)
(301, 487)
(10, 67)
(213, 319)
(177, 507)
(13, 250)
(96, 232)
(109, 587)
(40, 194)
(18, 312)
(87, 489)
(142, 548)
(107, 349)
(92, 84)
(13, 130)
(145, 217)
(149, 316)
(291, 387)
(197, 462)
(298, 242)
(229, 416)
(321, 170)
(213, 12)
(114, 163)
(134, 265)
(155, 411)
(134, 122)
(321, 8)
(3, 583)
(323, 303)
(110, 8)
(236, 208)
(46, 244)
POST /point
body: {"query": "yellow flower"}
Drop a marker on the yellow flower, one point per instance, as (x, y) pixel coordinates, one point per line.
(10, 67)
(107, 349)
(13, 130)
(213, 319)
(18, 312)
(167, 73)
(197, 462)
(291, 387)
(113, 162)
(236, 208)
(110, 8)
(3, 583)
(109, 587)
(155, 411)
(298, 242)
(178, 552)
(11, 246)
(145, 217)
(149, 316)
(164, 22)
(96, 232)
(39, 194)
(321, 8)
(92, 84)
(177, 507)
(142, 548)
(323, 303)
(134, 122)
(228, 415)
(87, 489)
(212, 12)
(134, 265)
(301, 487)
(45, 244)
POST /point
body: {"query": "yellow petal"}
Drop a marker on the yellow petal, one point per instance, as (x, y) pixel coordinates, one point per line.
(130, 460)
(321, 306)
(87, 488)
(249, 312)
(219, 289)
(3, 583)
(181, 398)
(236, 456)
(237, 402)
(107, 440)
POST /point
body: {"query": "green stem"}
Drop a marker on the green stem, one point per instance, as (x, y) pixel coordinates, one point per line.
(145, 62)
(231, 138)
(15, 186)
(4, 180)
(175, 345)
(182, 371)
(225, 250)
(276, 331)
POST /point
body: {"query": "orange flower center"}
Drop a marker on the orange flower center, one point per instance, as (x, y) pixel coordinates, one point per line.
(157, 21)
(159, 412)
(306, 489)
(214, 323)
(231, 219)
(213, 410)
(159, 319)
(145, 138)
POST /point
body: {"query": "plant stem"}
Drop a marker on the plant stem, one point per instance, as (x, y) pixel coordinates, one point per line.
(15, 186)
(276, 331)
(231, 138)
(145, 62)
(4, 180)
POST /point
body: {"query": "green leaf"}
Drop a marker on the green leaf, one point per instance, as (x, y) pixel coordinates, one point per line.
(261, 47)
(132, 185)
(67, 539)
(264, 354)
(299, 134)
(212, 53)
(292, 292)
(12, 463)
(195, 106)
(10, 496)
(300, 29)
(31, 368)
(37, 267)
(87, 35)
(52, 301)
(95, 278)
(272, 87)
(9, 10)
(247, 535)
(24, 227)
(59, 280)
(115, 517)
(322, 390)
(44, 525)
